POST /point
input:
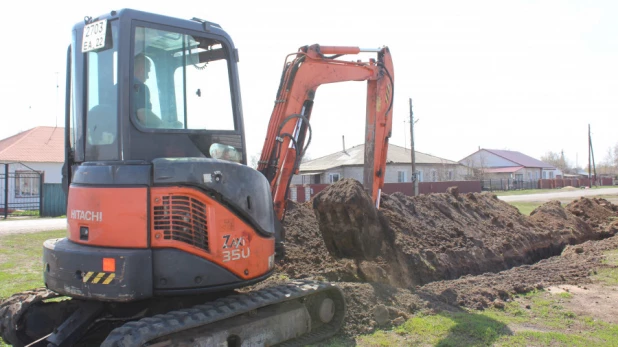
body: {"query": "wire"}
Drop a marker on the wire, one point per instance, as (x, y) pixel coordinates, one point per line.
(288, 118)
(332, 56)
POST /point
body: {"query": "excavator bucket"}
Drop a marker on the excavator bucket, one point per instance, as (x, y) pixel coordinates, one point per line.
(350, 224)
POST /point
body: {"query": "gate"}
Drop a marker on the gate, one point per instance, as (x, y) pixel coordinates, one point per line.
(54, 200)
(20, 191)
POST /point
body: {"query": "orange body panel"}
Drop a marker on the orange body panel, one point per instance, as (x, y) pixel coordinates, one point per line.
(339, 50)
(189, 220)
(299, 82)
(115, 217)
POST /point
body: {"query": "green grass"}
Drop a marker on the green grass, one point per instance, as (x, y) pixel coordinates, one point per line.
(525, 192)
(525, 207)
(609, 275)
(21, 267)
(28, 213)
(533, 319)
(538, 191)
(20, 261)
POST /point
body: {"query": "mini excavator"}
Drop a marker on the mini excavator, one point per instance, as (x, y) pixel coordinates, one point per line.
(166, 221)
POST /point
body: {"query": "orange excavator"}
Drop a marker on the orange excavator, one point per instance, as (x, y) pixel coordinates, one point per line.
(165, 219)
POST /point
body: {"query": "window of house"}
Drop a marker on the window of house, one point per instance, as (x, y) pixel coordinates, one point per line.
(27, 183)
(519, 177)
(333, 177)
(434, 176)
(544, 174)
(401, 176)
(449, 175)
(551, 174)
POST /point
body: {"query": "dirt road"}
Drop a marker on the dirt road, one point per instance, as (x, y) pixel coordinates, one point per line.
(31, 225)
(560, 195)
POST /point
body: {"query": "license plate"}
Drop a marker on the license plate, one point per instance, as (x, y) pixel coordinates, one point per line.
(94, 36)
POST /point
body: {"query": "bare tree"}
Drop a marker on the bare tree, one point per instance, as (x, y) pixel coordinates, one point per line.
(476, 167)
(557, 160)
(609, 166)
(255, 158)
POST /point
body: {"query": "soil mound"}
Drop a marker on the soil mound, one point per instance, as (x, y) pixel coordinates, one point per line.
(412, 241)
(438, 252)
(306, 253)
(599, 213)
(349, 222)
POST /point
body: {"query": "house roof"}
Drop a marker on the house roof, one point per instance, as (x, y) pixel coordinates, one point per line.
(37, 145)
(515, 157)
(519, 158)
(355, 156)
(509, 169)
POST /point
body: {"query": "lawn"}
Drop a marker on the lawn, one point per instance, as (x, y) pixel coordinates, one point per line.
(538, 191)
(534, 319)
(525, 207)
(20, 261)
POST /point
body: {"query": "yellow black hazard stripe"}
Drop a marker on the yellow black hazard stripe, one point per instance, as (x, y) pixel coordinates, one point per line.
(98, 277)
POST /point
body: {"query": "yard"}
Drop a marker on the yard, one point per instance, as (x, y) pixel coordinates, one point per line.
(559, 315)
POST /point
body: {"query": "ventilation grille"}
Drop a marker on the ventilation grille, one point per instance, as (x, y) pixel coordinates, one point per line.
(183, 219)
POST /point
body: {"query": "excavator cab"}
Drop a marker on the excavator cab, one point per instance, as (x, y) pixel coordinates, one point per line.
(156, 165)
(142, 90)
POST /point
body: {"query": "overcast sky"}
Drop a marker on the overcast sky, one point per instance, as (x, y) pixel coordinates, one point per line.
(519, 75)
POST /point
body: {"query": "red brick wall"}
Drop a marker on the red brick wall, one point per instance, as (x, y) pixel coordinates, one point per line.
(573, 182)
(405, 188)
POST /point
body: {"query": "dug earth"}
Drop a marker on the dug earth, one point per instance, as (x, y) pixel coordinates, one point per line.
(438, 252)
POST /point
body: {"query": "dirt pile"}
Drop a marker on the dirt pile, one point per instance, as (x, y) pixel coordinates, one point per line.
(412, 241)
(599, 213)
(440, 251)
(306, 253)
(349, 223)
(374, 306)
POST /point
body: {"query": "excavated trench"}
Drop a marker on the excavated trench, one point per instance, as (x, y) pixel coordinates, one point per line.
(437, 252)
(412, 241)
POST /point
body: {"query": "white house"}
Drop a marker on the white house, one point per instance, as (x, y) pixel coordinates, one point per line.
(348, 163)
(503, 164)
(30, 158)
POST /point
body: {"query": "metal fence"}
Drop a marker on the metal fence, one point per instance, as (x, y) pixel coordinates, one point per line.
(20, 193)
(54, 200)
(508, 184)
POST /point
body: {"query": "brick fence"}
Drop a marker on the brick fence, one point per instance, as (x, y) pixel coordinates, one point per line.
(307, 191)
(573, 182)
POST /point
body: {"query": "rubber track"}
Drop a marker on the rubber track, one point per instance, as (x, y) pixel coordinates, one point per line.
(138, 333)
(14, 307)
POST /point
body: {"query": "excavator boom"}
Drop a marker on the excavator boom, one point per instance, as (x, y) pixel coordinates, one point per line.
(289, 124)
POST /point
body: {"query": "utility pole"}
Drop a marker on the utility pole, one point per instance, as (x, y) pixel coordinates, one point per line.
(589, 166)
(414, 178)
(594, 167)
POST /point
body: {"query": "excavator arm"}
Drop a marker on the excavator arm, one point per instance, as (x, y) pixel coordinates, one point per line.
(289, 124)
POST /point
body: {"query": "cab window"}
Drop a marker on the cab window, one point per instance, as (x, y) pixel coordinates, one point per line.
(180, 81)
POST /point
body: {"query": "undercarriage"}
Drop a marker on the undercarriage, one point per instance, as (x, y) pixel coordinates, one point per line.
(293, 314)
